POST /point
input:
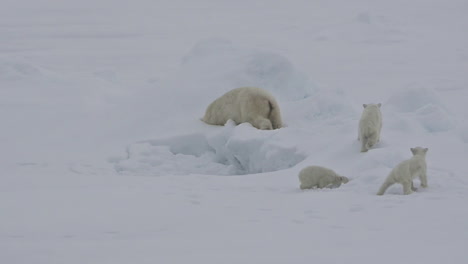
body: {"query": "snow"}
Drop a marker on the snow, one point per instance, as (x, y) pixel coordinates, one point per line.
(232, 151)
(105, 160)
(242, 67)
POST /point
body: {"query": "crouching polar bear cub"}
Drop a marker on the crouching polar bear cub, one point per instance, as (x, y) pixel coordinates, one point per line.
(406, 171)
(246, 104)
(320, 177)
(370, 126)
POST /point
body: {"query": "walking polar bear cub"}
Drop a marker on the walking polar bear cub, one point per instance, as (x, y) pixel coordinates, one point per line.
(406, 171)
(246, 104)
(370, 126)
(320, 177)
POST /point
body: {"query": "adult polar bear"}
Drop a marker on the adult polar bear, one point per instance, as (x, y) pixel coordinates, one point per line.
(370, 126)
(246, 104)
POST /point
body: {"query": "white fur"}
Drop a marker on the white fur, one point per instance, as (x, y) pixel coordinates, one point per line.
(320, 177)
(245, 104)
(406, 171)
(370, 126)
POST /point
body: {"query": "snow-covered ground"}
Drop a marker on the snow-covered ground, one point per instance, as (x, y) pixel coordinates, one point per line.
(104, 158)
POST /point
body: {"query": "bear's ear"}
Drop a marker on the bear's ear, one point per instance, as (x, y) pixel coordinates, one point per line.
(379, 105)
(425, 150)
(364, 105)
(413, 150)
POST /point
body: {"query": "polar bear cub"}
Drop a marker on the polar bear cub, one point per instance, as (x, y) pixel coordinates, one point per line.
(320, 177)
(246, 104)
(370, 126)
(406, 171)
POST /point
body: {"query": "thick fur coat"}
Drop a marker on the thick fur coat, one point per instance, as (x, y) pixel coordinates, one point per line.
(370, 126)
(246, 104)
(320, 177)
(406, 171)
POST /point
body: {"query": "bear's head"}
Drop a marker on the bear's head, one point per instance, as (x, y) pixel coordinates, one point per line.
(419, 151)
(344, 179)
(375, 105)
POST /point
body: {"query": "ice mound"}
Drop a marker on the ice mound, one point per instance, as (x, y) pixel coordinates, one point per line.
(16, 70)
(274, 73)
(434, 118)
(412, 99)
(334, 107)
(159, 157)
(330, 106)
(421, 106)
(217, 66)
(463, 131)
(232, 150)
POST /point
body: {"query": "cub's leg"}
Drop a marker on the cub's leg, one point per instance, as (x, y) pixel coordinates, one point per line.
(364, 144)
(407, 187)
(371, 141)
(322, 184)
(307, 186)
(423, 178)
(385, 185)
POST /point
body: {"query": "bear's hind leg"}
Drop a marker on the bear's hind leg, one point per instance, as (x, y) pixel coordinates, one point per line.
(371, 141)
(262, 123)
(385, 186)
(412, 187)
(364, 144)
(407, 187)
(423, 178)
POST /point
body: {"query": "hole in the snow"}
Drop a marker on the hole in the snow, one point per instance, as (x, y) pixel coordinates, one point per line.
(234, 150)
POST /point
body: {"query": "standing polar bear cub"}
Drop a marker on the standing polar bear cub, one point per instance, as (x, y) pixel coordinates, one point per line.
(406, 171)
(370, 126)
(320, 177)
(246, 104)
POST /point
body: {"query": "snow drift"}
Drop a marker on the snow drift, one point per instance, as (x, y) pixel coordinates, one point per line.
(233, 150)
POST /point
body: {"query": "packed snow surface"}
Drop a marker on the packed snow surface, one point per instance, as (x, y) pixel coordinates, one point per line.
(105, 159)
